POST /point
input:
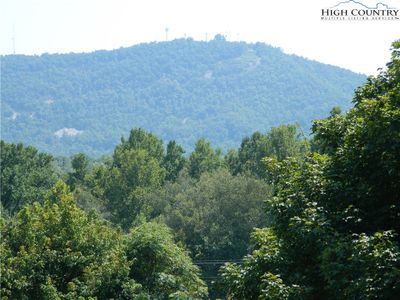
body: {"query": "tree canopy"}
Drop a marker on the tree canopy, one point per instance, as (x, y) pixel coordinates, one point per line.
(55, 250)
(26, 175)
(336, 214)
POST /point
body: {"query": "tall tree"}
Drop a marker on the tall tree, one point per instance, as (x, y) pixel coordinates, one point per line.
(80, 164)
(136, 168)
(26, 175)
(204, 159)
(280, 142)
(251, 152)
(174, 160)
(287, 141)
(162, 267)
(139, 139)
(133, 174)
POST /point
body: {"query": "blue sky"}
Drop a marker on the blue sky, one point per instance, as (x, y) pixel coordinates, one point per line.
(62, 26)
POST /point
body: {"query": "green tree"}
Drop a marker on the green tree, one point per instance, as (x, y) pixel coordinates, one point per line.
(136, 169)
(204, 159)
(251, 152)
(133, 174)
(232, 161)
(26, 175)
(287, 141)
(335, 214)
(363, 266)
(258, 277)
(329, 135)
(281, 142)
(164, 269)
(139, 139)
(212, 216)
(56, 251)
(174, 160)
(80, 165)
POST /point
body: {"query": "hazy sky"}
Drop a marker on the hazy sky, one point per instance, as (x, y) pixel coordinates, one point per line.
(62, 26)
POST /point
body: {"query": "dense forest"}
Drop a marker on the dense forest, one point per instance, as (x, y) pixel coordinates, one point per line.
(179, 90)
(283, 216)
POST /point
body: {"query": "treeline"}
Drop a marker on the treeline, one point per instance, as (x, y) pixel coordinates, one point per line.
(210, 201)
(135, 224)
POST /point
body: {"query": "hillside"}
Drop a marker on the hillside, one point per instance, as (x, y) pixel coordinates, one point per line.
(182, 90)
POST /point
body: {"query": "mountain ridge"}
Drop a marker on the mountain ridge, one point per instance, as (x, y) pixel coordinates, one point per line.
(182, 90)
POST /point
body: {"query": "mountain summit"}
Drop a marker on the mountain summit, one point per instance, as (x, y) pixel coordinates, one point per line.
(182, 90)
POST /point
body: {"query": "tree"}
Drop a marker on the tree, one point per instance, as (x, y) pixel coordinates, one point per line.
(287, 141)
(174, 160)
(335, 214)
(139, 139)
(251, 152)
(163, 268)
(258, 277)
(232, 161)
(136, 169)
(329, 135)
(281, 142)
(366, 153)
(204, 159)
(212, 216)
(133, 174)
(26, 175)
(79, 163)
(56, 251)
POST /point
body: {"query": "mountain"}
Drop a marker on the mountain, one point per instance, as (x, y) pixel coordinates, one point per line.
(182, 90)
(356, 3)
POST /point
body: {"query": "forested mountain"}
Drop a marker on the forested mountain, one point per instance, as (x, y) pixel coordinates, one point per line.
(318, 217)
(181, 90)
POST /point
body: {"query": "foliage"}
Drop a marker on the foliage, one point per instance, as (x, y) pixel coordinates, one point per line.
(204, 159)
(161, 266)
(86, 201)
(79, 163)
(281, 142)
(135, 175)
(251, 280)
(334, 231)
(26, 175)
(135, 169)
(363, 266)
(180, 90)
(330, 218)
(174, 160)
(56, 251)
(139, 139)
(213, 216)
